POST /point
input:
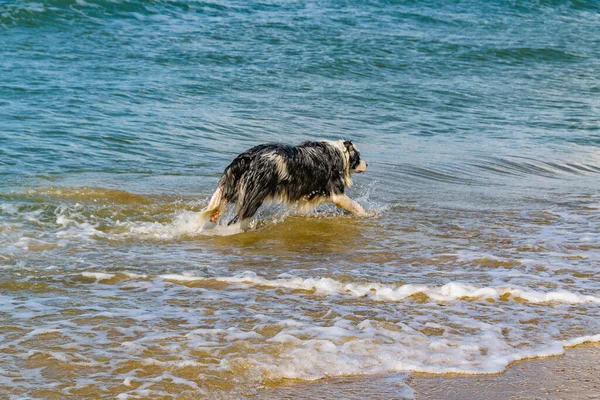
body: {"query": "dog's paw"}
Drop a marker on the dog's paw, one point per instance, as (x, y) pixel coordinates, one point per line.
(214, 218)
(360, 212)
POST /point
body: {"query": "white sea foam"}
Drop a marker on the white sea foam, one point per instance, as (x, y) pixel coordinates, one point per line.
(76, 223)
(370, 348)
(74, 229)
(42, 331)
(184, 224)
(458, 309)
(181, 278)
(23, 243)
(98, 276)
(133, 275)
(8, 208)
(34, 244)
(303, 347)
(581, 340)
(382, 292)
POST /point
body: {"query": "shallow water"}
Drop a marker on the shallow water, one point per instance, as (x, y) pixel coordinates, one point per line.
(480, 126)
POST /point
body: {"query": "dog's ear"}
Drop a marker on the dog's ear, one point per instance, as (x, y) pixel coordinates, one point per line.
(348, 144)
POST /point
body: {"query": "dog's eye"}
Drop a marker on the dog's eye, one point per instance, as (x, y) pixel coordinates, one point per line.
(354, 160)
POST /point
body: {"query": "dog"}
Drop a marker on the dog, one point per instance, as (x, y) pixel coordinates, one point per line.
(304, 175)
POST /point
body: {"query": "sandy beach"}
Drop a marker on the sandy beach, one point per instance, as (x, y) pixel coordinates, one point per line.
(572, 376)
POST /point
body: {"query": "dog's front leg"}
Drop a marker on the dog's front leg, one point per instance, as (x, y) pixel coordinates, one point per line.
(345, 202)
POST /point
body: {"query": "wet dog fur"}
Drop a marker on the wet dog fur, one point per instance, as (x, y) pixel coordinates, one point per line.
(304, 175)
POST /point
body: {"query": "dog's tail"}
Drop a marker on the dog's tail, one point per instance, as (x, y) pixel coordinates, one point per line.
(214, 208)
(226, 193)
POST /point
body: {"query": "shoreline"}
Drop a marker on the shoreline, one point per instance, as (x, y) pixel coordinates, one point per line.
(574, 375)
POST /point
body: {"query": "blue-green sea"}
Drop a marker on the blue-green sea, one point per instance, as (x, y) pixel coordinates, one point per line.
(480, 121)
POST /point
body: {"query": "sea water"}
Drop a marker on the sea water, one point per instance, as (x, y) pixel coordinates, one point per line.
(479, 121)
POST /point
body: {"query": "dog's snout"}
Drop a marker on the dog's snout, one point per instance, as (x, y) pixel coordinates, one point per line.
(361, 167)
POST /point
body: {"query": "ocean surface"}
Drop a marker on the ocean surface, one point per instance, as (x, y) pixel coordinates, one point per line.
(480, 121)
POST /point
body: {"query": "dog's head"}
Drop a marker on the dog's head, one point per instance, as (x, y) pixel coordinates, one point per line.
(356, 163)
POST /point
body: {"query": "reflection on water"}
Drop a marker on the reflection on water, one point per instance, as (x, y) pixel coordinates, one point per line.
(311, 236)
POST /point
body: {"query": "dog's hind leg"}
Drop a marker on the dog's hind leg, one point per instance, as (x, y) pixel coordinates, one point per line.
(249, 205)
(257, 188)
(345, 202)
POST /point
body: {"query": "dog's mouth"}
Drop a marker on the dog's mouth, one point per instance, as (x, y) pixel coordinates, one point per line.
(361, 167)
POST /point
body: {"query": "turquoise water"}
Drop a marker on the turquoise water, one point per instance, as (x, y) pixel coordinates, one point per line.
(479, 121)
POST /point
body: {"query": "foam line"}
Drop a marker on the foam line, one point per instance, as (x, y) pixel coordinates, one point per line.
(390, 293)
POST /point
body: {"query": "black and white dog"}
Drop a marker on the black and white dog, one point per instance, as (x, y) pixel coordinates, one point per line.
(304, 175)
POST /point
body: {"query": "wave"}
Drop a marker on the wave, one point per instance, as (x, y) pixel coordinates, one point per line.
(437, 174)
(452, 291)
(303, 349)
(523, 167)
(478, 171)
(288, 348)
(74, 213)
(90, 194)
(18, 13)
(523, 55)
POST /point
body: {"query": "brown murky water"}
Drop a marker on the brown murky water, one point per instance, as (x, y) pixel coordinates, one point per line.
(110, 294)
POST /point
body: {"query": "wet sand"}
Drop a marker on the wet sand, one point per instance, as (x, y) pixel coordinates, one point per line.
(572, 376)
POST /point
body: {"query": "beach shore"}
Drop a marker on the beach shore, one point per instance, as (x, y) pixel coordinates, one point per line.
(574, 375)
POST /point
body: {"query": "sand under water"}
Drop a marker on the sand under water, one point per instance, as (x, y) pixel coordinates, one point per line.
(109, 293)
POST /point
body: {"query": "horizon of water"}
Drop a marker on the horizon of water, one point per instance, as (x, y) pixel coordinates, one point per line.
(479, 121)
